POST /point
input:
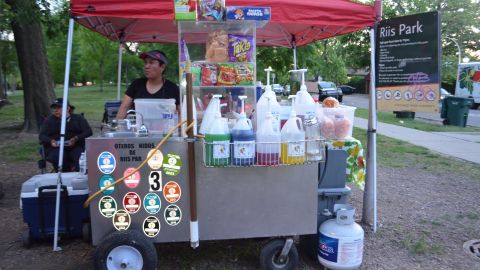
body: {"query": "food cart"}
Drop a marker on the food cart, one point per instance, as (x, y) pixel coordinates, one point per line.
(154, 203)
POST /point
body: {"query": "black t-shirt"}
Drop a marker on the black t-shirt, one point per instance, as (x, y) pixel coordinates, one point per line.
(138, 89)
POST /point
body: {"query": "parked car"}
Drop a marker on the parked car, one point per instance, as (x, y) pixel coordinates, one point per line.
(278, 88)
(329, 89)
(347, 89)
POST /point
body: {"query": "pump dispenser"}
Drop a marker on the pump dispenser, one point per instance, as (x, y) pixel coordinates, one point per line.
(243, 138)
(268, 141)
(217, 141)
(293, 139)
(304, 104)
(268, 102)
(209, 114)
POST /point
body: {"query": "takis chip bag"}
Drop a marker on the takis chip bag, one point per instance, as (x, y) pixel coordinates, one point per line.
(240, 48)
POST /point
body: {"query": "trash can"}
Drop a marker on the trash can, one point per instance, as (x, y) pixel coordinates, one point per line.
(455, 110)
(404, 114)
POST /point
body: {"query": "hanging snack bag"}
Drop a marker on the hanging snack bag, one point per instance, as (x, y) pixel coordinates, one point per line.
(240, 48)
(217, 46)
(244, 74)
(209, 75)
(196, 74)
(226, 74)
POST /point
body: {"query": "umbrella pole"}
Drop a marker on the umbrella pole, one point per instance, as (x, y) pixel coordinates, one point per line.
(119, 71)
(370, 195)
(294, 45)
(194, 238)
(62, 132)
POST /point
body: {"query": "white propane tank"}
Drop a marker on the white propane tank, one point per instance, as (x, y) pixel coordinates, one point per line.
(341, 240)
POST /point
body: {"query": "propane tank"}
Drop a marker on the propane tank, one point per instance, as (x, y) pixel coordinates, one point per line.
(341, 240)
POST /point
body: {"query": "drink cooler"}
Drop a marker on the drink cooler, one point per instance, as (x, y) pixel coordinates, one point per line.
(38, 195)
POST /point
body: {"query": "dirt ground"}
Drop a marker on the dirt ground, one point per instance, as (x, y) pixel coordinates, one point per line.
(424, 219)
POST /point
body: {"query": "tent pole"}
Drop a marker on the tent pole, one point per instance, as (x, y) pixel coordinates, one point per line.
(370, 194)
(194, 236)
(62, 131)
(294, 45)
(119, 72)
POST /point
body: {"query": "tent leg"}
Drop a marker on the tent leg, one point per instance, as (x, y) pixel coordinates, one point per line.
(62, 131)
(369, 212)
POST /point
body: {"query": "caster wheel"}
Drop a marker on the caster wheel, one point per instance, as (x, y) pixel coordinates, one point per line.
(445, 122)
(86, 232)
(26, 239)
(269, 257)
(126, 250)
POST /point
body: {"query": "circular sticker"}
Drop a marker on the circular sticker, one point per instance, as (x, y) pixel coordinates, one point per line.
(107, 206)
(172, 164)
(155, 162)
(131, 202)
(407, 95)
(104, 181)
(419, 95)
(387, 94)
(172, 192)
(151, 226)
(106, 162)
(173, 215)
(379, 94)
(121, 220)
(133, 180)
(431, 95)
(152, 203)
(397, 95)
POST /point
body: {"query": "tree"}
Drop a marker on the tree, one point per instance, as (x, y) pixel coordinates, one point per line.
(33, 62)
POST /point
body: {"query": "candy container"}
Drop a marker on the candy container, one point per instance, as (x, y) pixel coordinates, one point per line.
(342, 126)
(327, 128)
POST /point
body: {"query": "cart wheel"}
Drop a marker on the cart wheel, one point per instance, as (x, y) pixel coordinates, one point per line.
(86, 232)
(445, 122)
(125, 250)
(270, 253)
(26, 239)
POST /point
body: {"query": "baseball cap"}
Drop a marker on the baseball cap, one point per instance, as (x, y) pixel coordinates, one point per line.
(155, 54)
(59, 103)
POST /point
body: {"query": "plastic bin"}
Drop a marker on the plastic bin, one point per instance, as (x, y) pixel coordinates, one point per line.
(111, 109)
(336, 123)
(455, 110)
(159, 115)
(38, 197)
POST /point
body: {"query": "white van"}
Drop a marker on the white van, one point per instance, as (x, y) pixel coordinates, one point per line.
(468, 83)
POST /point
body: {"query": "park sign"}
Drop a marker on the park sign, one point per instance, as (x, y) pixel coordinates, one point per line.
(407, 55)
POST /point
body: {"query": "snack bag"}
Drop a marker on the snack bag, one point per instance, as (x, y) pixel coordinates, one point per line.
(211, 10)
(209, 75)
(226, 74)
(240, 48)
(217, 46)
(244, 74)
(196, 74)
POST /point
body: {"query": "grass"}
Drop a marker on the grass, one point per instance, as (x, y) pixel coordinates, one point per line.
(420, 245)
(389, 118)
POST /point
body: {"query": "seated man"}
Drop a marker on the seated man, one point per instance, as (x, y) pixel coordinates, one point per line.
(77, 129)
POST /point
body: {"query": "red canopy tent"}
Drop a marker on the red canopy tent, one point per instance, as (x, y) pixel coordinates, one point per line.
(292, 24)
(153, 21)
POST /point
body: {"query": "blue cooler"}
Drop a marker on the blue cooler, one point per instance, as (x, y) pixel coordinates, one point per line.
(111, 109)
(38, 196)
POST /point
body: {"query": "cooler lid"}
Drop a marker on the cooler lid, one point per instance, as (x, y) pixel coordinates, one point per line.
(75, 182)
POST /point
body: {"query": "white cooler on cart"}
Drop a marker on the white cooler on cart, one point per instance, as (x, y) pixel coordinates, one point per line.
(38, 196)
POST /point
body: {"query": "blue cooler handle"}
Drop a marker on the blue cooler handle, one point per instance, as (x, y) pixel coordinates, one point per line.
(48, 191)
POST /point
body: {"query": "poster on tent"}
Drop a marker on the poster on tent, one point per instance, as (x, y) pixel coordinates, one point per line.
(407, 56)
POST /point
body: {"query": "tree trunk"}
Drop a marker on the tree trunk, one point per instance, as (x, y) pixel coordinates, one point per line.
(32, 58)
(3, 89)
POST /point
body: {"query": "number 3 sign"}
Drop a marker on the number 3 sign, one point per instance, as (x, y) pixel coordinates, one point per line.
(155, 181)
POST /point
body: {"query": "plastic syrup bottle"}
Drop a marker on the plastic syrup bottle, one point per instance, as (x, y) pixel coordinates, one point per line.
(210, 112)
(243, 138)
(82, 163)
(217, 142)
(268, 102)
(293, 139)
(268, 142)
(304, 104)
